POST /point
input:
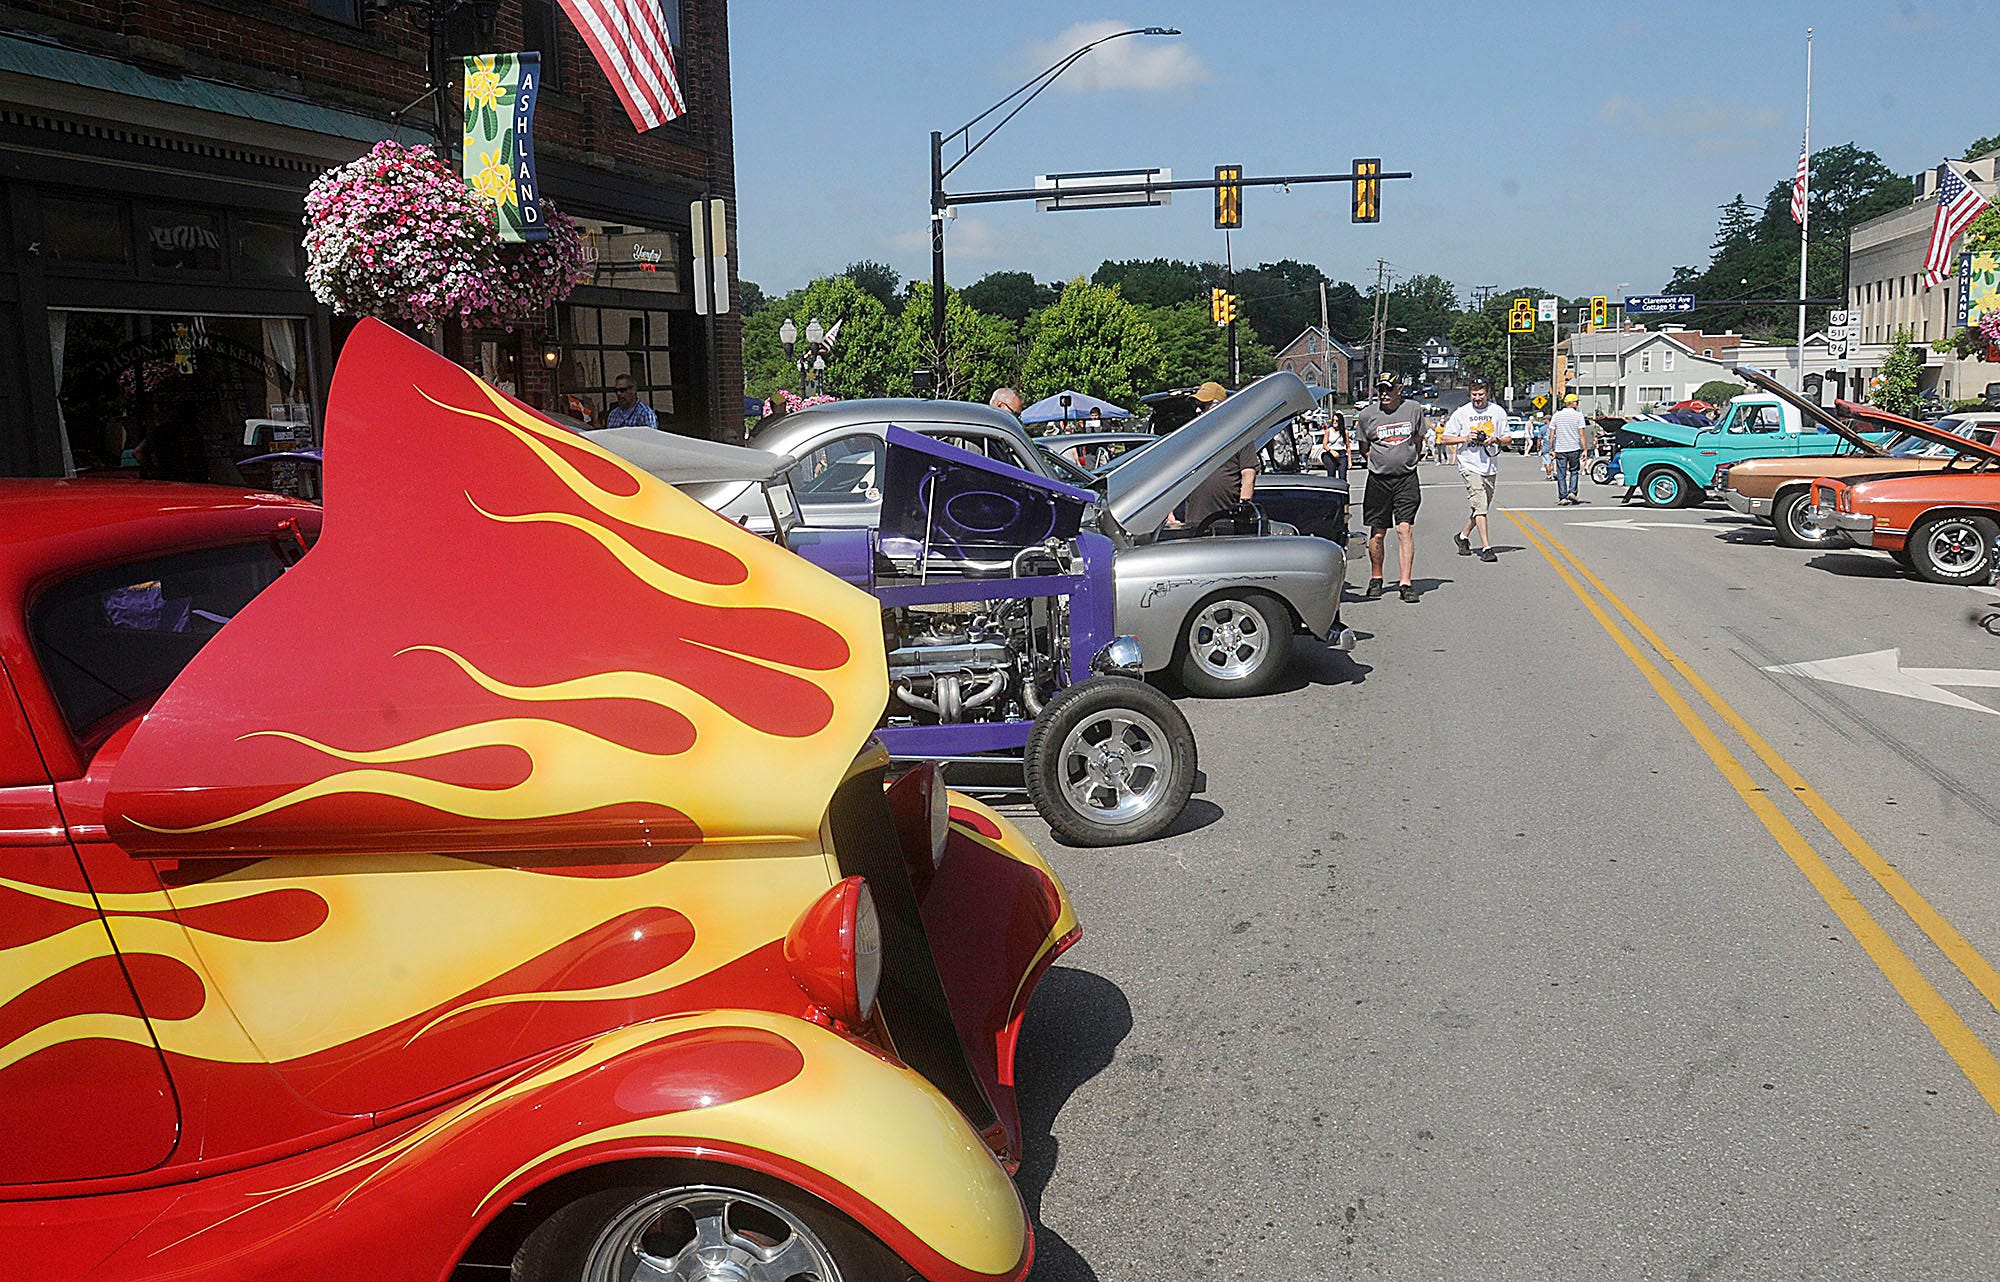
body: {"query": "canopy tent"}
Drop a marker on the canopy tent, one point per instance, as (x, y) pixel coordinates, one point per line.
(1050, 409)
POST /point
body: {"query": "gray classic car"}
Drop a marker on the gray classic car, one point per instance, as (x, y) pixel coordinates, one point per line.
(1218, 605)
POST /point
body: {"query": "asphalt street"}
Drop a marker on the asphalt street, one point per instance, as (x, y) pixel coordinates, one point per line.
(1552, 936)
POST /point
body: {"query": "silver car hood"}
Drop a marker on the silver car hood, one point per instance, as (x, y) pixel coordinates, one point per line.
(1141, 493)
(686, 460)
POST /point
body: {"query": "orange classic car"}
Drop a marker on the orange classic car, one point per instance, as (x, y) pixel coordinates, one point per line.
(1779, 490)
(1942, 524)
(497, 870)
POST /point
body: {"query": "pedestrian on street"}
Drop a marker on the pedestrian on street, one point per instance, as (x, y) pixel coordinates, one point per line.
(629, 410)
(1334, 448)
(1479, 429)
(1569, 437)
(1392, 432)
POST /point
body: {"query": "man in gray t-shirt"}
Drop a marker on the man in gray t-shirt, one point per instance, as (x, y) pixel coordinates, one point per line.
(1392, 435)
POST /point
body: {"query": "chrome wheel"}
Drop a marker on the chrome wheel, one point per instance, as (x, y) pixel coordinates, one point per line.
(1955, 547)
(1115, 765)
(708, 1234)
(1227, 639)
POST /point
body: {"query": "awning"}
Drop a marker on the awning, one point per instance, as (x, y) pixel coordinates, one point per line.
(58, 79)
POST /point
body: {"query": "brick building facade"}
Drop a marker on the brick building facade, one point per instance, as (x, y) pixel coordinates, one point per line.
(154, 155)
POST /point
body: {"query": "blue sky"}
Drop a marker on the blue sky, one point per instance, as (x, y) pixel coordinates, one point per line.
(1565, 145)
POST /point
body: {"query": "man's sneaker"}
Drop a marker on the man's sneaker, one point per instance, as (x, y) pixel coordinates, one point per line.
(1374, 592)
(1408, 593)
(1464, 544)
(1487, 554)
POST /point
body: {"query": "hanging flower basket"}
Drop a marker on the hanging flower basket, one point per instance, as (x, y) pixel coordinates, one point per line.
(1989, 333)
(397, 234)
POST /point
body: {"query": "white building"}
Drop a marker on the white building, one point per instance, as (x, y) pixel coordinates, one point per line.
(1885, 269)
(1627, 371)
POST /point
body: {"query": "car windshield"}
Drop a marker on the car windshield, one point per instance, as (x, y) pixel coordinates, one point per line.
(1066, 470)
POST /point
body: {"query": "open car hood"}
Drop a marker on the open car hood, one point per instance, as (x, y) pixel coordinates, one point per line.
(1817, 415)
(507, 639)
(1142, 492)
(966, 506)
(1888, 422)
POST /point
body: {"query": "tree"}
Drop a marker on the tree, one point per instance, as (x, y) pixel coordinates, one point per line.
(1980, 146)
(1895, 387)
(879, 281)
(1158, 282)
(1093, 341)
(749, 296)
(1014, 295)
(984, 351)
(1281, 300)
(1718, 391)
(1193, 348)
(1424, 305)
(863, 356)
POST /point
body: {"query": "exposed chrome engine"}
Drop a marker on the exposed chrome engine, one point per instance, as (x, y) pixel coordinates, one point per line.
(976, 661)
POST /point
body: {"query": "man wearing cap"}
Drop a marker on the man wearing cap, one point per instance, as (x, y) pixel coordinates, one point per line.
(1479, 429)
(1391, 433)
(1569, 436)
(1231, 483)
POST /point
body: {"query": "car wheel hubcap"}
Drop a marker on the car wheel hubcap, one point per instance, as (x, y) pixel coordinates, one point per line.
(1955, 548)
(1228, 640)
(1664, 489)
(709, 1235)
(1115, 765)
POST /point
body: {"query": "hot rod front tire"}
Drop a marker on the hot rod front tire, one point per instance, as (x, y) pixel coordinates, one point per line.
(1955, 549)
(1110, 761)
(770, 1232)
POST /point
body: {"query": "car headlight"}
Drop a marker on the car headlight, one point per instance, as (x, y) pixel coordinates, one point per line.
(1120, 656)
(834, 952)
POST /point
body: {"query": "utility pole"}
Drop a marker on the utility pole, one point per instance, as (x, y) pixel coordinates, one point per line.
(1326, 344)
(1381, 319)
(1229, 269)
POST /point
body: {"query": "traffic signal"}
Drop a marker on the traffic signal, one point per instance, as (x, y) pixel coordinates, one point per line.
(1229, 309)
(1367, 191)
(1215, 305)
(1228, 196)
(1599, 311)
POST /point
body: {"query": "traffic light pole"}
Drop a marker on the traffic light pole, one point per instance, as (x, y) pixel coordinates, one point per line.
(1229, 275)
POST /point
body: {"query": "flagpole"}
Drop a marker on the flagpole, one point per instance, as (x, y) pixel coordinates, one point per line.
(1805, 215)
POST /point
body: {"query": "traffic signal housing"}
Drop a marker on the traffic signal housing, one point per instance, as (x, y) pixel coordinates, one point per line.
(1228, 197)
(1368, 190)
(1600, 311)
(1215, 304)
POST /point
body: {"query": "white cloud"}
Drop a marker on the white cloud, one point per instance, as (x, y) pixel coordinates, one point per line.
(972, 240)
(1135, 62)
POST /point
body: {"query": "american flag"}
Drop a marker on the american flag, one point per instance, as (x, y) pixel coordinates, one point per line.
(1799, 190)
(629, 40)
(1957, 205)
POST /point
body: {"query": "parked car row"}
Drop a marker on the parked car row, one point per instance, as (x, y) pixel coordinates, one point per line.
(1927, 494)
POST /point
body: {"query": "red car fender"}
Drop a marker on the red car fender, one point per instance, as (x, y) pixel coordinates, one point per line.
(767, 1092)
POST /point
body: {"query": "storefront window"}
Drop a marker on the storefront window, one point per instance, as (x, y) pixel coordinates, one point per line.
(185, 398)
(88, 232)
(632, 257)
(267, 248)
(183, 240)
(602, 343)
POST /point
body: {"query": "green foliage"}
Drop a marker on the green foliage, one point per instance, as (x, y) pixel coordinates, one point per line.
(1718, 391)
(1158, 282)
(1281, 299)
(1093, 341)
(879, 281)
(1013, 295)
(1193, 348)
(749, 296)
(863, 356)
(983, 352)
(1895, 387)
(1425, 305)
(1980, 146)
(1983, 232)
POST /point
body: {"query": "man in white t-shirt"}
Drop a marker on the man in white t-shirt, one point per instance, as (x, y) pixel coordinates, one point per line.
(1479, 429)
(1569, 436)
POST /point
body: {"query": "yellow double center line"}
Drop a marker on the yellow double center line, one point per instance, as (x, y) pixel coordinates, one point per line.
(1972, 1055)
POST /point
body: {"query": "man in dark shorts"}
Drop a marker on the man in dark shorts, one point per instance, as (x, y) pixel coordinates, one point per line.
(1391, 433)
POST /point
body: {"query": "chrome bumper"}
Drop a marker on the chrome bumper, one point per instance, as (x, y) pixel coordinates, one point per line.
(1858, 527)
(1745, 504)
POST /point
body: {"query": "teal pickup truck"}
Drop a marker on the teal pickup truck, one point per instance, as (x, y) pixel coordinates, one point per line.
(1672, 464)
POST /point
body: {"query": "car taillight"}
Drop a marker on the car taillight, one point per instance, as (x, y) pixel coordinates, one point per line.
(834, 952)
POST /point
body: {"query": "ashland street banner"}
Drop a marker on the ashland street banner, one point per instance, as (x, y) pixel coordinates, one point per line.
(499, 152)
(1978, 286)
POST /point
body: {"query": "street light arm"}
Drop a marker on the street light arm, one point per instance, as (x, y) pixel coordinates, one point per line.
(1033, 89)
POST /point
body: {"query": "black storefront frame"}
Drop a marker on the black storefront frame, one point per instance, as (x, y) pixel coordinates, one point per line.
(32, 284)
